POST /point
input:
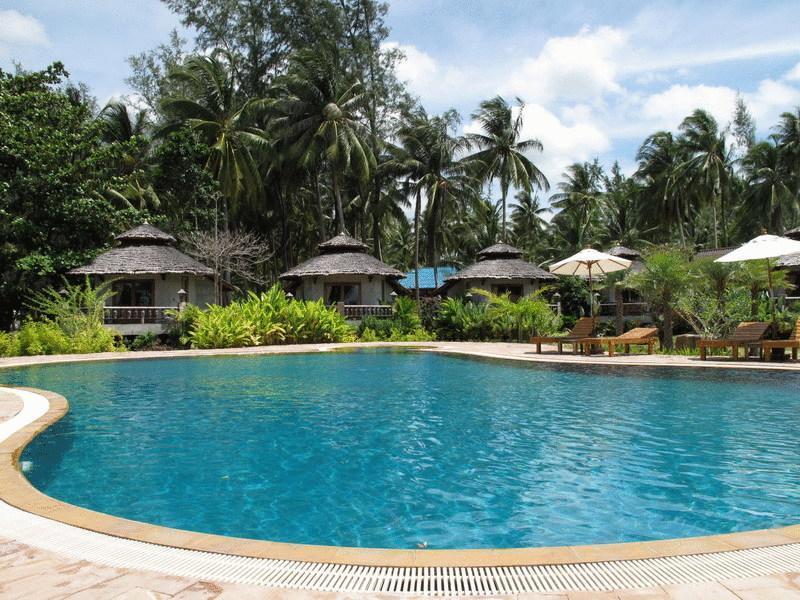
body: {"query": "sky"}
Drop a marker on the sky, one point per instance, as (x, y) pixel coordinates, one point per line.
(596, 77)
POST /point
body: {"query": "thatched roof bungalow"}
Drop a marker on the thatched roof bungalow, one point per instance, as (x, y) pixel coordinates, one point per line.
(150, 275)
(343, 272)
(499, 269)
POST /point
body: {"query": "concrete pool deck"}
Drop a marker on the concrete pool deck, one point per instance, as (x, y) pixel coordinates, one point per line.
(782, 581)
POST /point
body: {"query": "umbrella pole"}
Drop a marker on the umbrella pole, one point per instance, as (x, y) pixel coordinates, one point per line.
(591, 297)
(771, 299)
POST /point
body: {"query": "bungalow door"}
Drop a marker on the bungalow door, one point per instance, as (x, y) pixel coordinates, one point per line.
(134, 292)
(349, 293)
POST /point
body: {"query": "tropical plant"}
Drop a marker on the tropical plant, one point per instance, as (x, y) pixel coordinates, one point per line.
(224, 121)
(664, 277)
(501, 153)
(317, 116)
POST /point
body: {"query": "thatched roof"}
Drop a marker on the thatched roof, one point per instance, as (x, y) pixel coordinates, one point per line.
(791, 261)
(500, 261)
(342, 255)
(144, 250)
(623, 252)
(144, 234)
(793, 234)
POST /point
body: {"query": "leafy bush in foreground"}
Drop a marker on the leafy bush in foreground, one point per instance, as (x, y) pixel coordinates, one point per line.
(267, 318)
(69, 322)
(405, 325)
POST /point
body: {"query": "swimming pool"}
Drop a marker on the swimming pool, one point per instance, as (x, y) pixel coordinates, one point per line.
(401, 449)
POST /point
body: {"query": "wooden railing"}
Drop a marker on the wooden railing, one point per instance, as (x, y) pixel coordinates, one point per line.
(359, 311)
(609, 309)
(122, 315)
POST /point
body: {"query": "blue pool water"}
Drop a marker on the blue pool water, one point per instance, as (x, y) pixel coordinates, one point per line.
(392, 449)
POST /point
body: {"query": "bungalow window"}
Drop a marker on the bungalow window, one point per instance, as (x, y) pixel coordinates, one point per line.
(349, 293)
(514, 291)
(134, 292)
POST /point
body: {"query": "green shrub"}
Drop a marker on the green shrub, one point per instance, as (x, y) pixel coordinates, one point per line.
(265, 319)
(181, 323)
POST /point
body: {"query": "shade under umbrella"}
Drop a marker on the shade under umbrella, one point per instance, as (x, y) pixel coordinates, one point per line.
(587, 260)
(763, 247)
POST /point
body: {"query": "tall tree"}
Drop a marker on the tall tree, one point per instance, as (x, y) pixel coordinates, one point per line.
(768, 201)
(579, 201)
(317, 108)
(223, 120)
(708, 166)
(501, 153)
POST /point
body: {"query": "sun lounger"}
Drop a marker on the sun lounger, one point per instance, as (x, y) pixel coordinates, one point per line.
(639, 336)
(583, 327)
(746, 334)
(793, 342)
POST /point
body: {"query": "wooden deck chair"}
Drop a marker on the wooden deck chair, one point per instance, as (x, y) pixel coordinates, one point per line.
(582, 328)
(746, 334)
(793, 342)
(639, 336)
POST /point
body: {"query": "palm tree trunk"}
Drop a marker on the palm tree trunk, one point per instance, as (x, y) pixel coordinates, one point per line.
(716, 226)
(504, 193)
(668, 328)
(337, 194)
(376, 236)
(417, 211)
(320, 212)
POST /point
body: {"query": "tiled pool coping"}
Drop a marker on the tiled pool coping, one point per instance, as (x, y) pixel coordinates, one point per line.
(16, 491)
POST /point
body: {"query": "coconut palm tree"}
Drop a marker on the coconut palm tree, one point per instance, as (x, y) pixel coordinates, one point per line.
(788, 137)
(120, 125)
(427, 159)
(768, 200)
(708, 166)
(579, 201)
(501, 154)
(528, 222)
(317, 110)
(225, 122)
(663, 198)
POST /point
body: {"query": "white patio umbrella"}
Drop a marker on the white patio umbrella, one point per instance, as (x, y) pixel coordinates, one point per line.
(763, 247)
(587, 260)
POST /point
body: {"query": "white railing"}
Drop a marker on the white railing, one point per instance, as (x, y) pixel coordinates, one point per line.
(359, 311)
(120, 315)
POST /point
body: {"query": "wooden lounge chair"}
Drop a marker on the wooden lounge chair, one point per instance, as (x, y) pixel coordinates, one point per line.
(793, 342)
(639, 336)
(583, 327)
(746, 334)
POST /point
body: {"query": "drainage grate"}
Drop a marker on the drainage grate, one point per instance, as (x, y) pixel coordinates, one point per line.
(429, 581)
(82, 544)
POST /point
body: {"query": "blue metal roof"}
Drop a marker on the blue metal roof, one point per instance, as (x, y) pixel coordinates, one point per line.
(426, 279)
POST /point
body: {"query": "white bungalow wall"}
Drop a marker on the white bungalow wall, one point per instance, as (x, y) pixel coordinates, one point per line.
(201, 289)
(460, 288)
(374, 290)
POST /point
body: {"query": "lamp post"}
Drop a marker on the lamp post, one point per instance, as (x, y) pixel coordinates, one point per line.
(289, 296)
(557, 300)
(183, 299)
(468, 296)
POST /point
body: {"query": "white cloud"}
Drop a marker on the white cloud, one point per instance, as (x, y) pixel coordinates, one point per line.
(793, 74)
(668, 108)
(18, 29)
(578, 137)
(573, 68)
(432, 82)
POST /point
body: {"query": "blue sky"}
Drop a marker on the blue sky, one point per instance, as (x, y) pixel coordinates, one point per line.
(597, 77)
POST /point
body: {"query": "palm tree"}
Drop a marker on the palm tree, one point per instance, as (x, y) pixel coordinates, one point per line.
(788, 137)
(620, 213)
(768, 201)
(663, 278)
(528, 222)
(708, 165)
(427, 158)
(226, 123)
(119, 125)
(580, 199)
(318, 117)
(501, 154)
(663, 198)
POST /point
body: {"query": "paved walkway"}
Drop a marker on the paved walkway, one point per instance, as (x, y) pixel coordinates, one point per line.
(27, 572)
